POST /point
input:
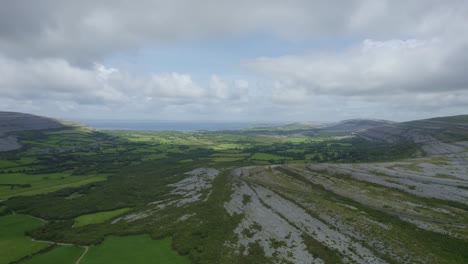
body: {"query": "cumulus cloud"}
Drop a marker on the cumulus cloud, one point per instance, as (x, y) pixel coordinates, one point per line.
(170, 85)
(56, 79)
(221, 90)
(33, 79)
(372, 68)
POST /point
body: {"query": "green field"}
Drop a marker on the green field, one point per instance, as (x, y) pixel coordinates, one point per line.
(41, 183)
(59, 255)
(7, 164)
(267, 157)
(97, 218)
(13, 243)
(133, 249)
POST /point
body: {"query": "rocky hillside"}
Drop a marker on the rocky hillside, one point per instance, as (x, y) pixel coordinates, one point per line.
(354, 125)
(11, 122)
(437, 135)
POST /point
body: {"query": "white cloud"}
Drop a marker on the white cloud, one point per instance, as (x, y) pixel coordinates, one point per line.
(372, 68)
(219, 89)
(288, 94)
(57, 84)
(171, 85)
(53, 78)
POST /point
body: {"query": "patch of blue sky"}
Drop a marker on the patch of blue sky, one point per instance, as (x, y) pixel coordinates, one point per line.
(220, 55)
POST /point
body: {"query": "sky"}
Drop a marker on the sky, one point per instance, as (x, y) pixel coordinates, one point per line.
(219, 60)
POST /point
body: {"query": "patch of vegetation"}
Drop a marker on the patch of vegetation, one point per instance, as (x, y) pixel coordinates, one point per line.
(409, 166)
(256, 226)
(277, 243)
(268, 157)
(255, 254)
(320, 250)
(452, 119)
(133, 249)
(58, 255)
(202, 238)
(13, 243)
(18, 184)
(247, 232)
(446, 176)
(97, 218)
(246, 199)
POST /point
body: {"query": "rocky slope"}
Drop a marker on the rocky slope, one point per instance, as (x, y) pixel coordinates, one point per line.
(436, 136)
(11, 122)
(354, 125)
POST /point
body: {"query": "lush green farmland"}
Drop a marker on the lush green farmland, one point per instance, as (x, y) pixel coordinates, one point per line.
(268, 157)
(20, 184)
(13, 243)
(229, 156)
(58, 255)
(79, 179)
(133, 249)
(97, 218)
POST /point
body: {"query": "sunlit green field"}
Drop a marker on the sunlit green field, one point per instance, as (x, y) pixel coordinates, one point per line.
(133, 249)
(16, 184)
(266, 156)
(97, 218)
(13, 243)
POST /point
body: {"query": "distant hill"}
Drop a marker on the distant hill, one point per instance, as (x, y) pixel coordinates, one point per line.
(11, 122)
(307, 129)
(288, 127)
(345, 126)
(439, 135)
(353, 125)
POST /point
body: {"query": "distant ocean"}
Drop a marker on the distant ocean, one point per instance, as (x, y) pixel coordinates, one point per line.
(165, 125)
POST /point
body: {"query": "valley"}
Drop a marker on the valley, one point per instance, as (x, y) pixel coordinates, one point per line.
(357, 191)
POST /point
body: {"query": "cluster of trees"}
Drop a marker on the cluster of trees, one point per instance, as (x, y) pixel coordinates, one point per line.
(352, 150)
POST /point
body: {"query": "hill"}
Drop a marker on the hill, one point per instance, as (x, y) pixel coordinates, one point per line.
(310, 129)
(353, 125)
(441, 135)
(11, 122)
(361, 195)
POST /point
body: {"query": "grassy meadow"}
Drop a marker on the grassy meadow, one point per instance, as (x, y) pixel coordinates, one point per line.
(97, 218)
(58, 255)
(13, 242)
(133, 249)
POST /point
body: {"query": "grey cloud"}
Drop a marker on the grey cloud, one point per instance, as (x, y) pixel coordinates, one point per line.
(85, 31)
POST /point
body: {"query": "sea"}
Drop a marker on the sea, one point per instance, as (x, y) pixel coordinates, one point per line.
(151, 125)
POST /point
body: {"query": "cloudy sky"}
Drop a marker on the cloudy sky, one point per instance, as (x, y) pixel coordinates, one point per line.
(252, 60)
